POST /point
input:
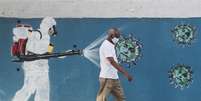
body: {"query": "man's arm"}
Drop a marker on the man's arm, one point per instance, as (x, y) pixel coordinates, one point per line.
(119, 68)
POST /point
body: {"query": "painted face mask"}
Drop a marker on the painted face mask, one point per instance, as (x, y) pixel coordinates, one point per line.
(52, 31)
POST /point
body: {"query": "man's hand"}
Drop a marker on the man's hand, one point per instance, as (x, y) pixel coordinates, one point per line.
(129, 77)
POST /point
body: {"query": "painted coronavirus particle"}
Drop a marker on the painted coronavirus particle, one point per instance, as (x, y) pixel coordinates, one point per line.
(183, 34)
(128, 50)
(180, 76)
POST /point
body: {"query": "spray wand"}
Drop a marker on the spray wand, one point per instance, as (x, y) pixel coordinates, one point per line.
(33, 57)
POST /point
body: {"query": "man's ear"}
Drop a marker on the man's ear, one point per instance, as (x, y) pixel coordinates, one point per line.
(113, 36)
(110, 36)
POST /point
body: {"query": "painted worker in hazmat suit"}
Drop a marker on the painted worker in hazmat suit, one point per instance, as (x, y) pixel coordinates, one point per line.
(36, 73)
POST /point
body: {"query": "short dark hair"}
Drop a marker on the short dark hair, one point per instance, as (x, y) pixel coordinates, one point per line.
(114, 28)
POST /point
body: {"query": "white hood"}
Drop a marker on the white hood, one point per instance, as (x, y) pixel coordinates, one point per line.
(46, 24)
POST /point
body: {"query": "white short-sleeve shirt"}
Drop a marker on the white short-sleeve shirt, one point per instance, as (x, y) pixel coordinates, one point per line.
(107, 49)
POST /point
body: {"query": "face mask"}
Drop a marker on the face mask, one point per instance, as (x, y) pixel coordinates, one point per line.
(52, 31)
(115, 40)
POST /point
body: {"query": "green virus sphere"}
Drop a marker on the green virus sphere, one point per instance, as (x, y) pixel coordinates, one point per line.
(128, 50)
(183, 34)
(180, 76)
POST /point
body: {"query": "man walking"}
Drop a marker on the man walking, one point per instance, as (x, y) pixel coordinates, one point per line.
(109, 80)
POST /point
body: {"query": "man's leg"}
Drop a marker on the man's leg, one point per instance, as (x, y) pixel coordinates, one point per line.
(104, 90)
(25, 92)
(117, 91)
(42, 87)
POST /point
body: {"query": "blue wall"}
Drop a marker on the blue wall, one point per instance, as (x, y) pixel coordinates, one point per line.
(76, 79)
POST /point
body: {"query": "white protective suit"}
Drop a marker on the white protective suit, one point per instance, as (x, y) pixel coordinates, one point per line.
(36, 73)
